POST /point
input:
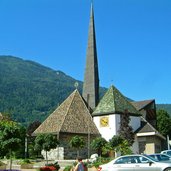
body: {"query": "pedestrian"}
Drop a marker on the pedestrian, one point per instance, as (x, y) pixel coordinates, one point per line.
(80, 165)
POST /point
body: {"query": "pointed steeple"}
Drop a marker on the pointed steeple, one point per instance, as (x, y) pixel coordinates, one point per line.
(91, 76)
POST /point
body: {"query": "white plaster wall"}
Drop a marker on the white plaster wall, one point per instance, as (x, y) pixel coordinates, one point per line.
(114, 124)
(111, 130)
(135, 122)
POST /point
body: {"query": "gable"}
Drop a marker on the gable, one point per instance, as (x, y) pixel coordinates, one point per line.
(72, 116)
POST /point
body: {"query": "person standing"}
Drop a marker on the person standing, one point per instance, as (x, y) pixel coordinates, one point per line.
(80, 166)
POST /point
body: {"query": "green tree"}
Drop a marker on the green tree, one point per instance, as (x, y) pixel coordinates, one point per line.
(10, 137)
(98, 144)
(115, 141)
(45, 142)
(124, 148)
(119, 144)
(77, 142)
(125, 130)
(164, 122)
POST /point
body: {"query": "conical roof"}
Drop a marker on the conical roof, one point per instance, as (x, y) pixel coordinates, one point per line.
(72, 116)
(113, 102)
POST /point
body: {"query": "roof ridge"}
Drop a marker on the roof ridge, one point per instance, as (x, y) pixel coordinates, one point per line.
(71, 95)
(125, 98)
(114, 103)
(151, 126)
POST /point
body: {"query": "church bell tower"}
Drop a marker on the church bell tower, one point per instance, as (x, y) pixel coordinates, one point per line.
(91, 75)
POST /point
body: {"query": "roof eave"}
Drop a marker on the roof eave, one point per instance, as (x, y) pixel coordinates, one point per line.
(115, 113)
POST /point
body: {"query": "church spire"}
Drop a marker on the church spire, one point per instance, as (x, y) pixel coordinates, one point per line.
(91, 76)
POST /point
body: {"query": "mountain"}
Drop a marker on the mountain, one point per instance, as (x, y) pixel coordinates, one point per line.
(166, 107)
(30, 91)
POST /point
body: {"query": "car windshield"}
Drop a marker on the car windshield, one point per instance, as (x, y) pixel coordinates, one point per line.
(169, 153)
(160, 157)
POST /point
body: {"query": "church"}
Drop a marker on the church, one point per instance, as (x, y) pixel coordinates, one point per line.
(90, 117)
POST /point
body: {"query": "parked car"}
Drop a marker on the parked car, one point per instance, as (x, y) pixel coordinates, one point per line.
(161, 157)
(135, 163)
(168, 152)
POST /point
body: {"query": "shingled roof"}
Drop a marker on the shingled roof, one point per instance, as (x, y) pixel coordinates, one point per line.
(146, 129)
(72, 116)
(113, 102)
(139, 105)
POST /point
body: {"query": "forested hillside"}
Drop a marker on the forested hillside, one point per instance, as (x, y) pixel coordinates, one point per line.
(166, 107)
(30, 91)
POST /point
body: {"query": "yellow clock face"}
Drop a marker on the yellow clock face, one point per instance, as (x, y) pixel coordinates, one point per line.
(104, 121)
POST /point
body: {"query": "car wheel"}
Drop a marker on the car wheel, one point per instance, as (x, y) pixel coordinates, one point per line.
(167, 169)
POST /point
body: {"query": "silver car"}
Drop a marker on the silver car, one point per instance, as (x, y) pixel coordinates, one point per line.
(168, 152)
(135, 163)
(161, 157)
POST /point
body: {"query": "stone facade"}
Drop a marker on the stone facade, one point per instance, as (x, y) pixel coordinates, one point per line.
(64, 151)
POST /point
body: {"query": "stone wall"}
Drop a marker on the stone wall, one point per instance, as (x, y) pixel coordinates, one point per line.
(64, 151)
(54, 154)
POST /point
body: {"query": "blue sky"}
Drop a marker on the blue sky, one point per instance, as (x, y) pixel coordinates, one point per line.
(133, 40)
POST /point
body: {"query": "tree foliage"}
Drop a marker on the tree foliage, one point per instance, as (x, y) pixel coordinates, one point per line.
(164, 122)
(45, 142)
(166, 107)
(125, 130)
(119, 144)
(77, 142)
(11, 136)
(98, 144)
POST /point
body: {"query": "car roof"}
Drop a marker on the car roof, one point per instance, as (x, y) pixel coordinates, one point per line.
(165, 150)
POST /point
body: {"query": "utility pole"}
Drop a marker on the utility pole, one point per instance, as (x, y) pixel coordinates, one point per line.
(26, 147)
(88, 143)
(168, 143)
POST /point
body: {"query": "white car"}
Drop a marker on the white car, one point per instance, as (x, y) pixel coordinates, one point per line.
(135, 163)
(168, 152)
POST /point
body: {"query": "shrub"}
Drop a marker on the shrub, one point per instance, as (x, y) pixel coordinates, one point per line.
(25, 161)
(67, 168)
(101, 160)
(2, 164)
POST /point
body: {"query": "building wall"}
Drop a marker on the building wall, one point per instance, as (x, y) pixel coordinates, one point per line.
(135, 146)
(149, 144)
(112, 128)
(65, 151)
(71, 153)
(135, 122)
